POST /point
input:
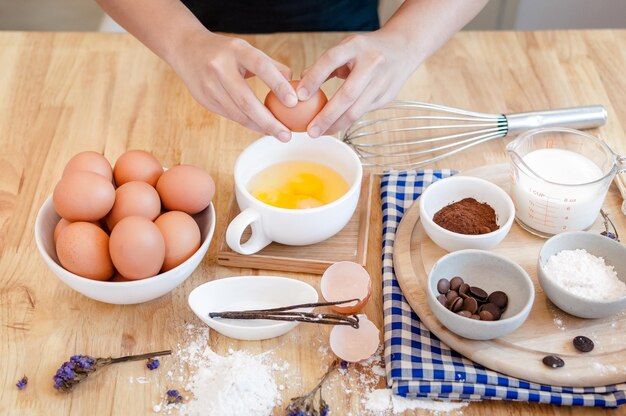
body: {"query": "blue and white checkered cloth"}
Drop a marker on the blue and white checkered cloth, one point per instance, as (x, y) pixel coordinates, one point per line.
(418, 364)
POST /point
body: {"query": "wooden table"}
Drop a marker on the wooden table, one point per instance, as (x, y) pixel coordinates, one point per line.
(63, 93)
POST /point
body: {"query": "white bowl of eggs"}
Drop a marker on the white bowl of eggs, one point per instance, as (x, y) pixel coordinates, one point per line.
(129, 244)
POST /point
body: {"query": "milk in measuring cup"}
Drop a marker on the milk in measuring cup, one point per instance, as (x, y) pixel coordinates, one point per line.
(552, 208)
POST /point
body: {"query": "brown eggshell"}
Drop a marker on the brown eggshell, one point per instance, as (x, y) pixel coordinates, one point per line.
(134, 198)
(346, 280)
(83, 196)
(137, 165)
(355, 344)
(59, 227)
(186, 188)
(296, 118)
(137, 248)
(91, 162)
(182, 237)
(83, 249)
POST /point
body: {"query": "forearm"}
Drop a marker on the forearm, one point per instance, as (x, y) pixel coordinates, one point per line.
(161, 25)
(425, 25)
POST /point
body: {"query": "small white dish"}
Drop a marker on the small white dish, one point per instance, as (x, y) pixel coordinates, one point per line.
(490, 272)
(120, 293)
(246, 293)
(447, 191)
(614, 254)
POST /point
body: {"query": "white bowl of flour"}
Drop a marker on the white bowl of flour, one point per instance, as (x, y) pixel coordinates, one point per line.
(584, 274)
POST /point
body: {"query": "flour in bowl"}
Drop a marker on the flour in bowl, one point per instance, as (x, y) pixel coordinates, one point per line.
(585, 275)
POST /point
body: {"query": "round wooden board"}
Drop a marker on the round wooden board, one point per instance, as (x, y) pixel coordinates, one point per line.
(548, 330)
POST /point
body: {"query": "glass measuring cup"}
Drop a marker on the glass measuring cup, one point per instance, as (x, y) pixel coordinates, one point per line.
(559, 179)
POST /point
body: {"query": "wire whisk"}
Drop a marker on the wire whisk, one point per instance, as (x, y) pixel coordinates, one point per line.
(411, 134)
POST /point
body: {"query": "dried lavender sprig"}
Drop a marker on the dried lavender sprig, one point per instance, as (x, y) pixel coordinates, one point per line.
(21, 383)
(309, 317)
(304, 405)
(607, 220)
(79, 367)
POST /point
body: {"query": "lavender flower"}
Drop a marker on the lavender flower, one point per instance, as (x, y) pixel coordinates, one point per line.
(153, 363)
(607, 222)
(79, 367)
(305, 405)
(173, 396)
(344, 364)
(21, 383)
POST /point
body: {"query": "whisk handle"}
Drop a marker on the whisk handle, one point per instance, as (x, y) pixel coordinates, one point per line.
(575, 117)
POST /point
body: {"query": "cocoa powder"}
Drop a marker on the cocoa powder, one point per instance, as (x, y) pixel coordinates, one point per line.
(467, 216)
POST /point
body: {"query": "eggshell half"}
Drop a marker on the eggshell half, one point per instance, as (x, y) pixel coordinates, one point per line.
(346, 280)
(296, 118)
(352, 344)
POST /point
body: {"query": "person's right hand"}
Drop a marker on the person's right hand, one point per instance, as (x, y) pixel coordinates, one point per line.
(214, 68)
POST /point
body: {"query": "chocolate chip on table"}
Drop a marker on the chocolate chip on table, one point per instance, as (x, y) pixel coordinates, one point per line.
(451, 295)
(470, 305)
(442, 299)
(443, 285)
(456, 305)
(464, 290)
(485, 316)
(553, 361)
(455, 283)
(499, 298)
(478, 293)
(492, 309)
(582, 343)
(465, 314)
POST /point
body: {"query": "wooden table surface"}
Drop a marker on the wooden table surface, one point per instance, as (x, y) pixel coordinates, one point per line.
(63, 93)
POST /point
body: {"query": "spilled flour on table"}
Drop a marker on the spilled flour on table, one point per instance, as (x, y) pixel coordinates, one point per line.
(238, 383)
(382, 402)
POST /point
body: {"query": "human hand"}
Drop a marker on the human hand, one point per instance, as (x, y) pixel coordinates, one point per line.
(374, 65)
(214, 68)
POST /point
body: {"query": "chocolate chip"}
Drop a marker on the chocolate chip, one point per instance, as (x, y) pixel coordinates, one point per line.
(492, 309)
(583, 344)
(464, 290)
(477, 317)
(442, 299)
(456, 305)
(553, 361)
(478, 293)
(485, 316)
(464, 314)
(500, 299)
(455, 283)
(451, 295)
(470, 305)
(443, 285)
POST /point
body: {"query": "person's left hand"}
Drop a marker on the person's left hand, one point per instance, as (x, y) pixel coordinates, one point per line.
(374, 65)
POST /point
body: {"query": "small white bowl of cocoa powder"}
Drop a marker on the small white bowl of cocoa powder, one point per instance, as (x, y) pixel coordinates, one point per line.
(465, 212)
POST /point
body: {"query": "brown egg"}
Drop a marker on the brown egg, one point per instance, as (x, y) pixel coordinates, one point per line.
(137, 165)
(296, 118)
(137, 248)
(83, 249)
(91, 162)
(59, 227)
(119, 278)
(346, 280)
(182, 237)
(186, 188)
(83, 196)
(134, 198)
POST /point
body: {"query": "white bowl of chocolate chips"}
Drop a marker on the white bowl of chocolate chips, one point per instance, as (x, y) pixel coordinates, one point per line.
(479, 294)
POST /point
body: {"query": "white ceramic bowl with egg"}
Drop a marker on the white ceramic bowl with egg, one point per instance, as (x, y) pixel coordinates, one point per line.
(491, 272)
(121, 293)
(453, 189)
(613, 253)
